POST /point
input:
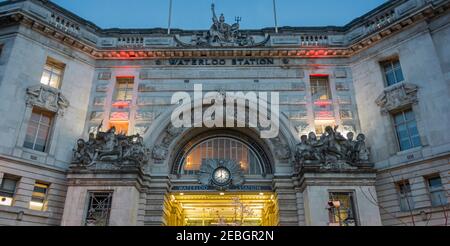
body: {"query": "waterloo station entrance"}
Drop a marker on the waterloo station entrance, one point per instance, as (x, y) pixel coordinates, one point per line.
(222, 182)
(223, 209)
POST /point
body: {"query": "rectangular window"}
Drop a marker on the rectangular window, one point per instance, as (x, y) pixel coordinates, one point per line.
(124, 89)
(393, 72)
(405, 196)
(121, 126)
(53, 72)
(342, 209)
(320, 88)
(406, 129)
(39, 196)
(38, 132)
(437, 192)
(99, 209)
(7, 190)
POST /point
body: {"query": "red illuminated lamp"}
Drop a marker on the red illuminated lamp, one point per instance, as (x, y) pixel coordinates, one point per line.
(323, 103)
(121, 104)
(319, 75)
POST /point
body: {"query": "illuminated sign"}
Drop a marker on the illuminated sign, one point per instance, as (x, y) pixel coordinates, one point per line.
(212, 188)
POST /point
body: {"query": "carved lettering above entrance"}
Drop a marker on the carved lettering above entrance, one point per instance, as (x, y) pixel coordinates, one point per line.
(218, 62)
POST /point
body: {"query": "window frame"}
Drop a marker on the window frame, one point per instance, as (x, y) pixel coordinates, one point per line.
(353, 204)
(44, 199)
(409, 197)
(89, 198)
(53, 66)
(52, 117)
(441, 189)
(403, 112)
(129, 91)
(391, 62)
(314, 82)
(3, 191)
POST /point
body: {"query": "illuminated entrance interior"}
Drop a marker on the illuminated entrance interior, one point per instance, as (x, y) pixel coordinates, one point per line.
(222, 209)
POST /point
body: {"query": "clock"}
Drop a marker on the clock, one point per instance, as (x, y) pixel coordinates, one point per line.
(221, 176)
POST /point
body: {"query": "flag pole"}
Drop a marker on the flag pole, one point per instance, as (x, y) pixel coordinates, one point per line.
(275, 15)
(170, 17)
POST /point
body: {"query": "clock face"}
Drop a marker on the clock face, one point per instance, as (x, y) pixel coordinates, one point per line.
(221, 176)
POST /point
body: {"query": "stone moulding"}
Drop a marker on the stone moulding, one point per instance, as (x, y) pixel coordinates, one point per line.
(397, 97)
(47, 98)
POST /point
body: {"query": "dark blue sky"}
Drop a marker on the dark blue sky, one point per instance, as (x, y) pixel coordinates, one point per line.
(196, 14)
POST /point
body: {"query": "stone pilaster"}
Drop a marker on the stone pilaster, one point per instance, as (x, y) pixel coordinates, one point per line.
(287, 201)
(156, 202)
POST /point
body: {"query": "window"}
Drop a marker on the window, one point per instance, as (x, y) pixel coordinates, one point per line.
(406, 128)
(437, 192)
(121, 126)
(53, 72)
(7, 190)
(393, 72)
(405, 196)
(320, 89)
(124, 90)
(38, 132)
(38, 198)
(225, 149)
(99, 208)
(342, 209)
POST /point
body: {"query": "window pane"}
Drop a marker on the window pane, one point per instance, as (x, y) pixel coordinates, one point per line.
(409, 115)
(54, 81)
(399, 75)
(435, 182)
(399, 119)
(45, 79)
(390, 78)
(9, 185)
(38, 131)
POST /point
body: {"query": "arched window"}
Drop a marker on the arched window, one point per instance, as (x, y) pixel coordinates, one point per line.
(221, 148)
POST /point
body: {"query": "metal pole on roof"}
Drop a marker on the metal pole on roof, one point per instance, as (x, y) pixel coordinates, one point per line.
(275, 15)
(170, 17)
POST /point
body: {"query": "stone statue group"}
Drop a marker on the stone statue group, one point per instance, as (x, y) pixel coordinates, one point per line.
(332, 149)
(111, 147)
(223, 34)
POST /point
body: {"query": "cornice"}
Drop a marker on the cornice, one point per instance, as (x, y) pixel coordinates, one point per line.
(89, 47)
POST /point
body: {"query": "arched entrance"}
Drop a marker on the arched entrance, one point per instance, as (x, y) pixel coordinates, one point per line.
(243, 195)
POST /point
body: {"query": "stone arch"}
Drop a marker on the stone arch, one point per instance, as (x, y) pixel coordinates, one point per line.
(165, 141)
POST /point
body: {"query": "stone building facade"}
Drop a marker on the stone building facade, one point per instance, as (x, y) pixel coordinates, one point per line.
(87, 136)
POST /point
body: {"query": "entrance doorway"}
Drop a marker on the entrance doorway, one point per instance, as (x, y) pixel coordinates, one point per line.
(222, 209)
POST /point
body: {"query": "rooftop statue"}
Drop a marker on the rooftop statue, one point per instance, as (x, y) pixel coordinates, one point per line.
(332, 151)
(222, 34)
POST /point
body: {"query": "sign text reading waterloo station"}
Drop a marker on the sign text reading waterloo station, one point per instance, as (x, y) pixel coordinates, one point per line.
(222, 62)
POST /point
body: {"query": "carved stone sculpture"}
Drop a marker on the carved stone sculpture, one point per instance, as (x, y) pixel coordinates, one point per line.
(109, 147)
(396, 97)
(222, 34)
(332, 151)
(46, 97)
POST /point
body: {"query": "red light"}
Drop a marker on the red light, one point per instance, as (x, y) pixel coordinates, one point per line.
(319, 75)
(121, 104)
(322, 103)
